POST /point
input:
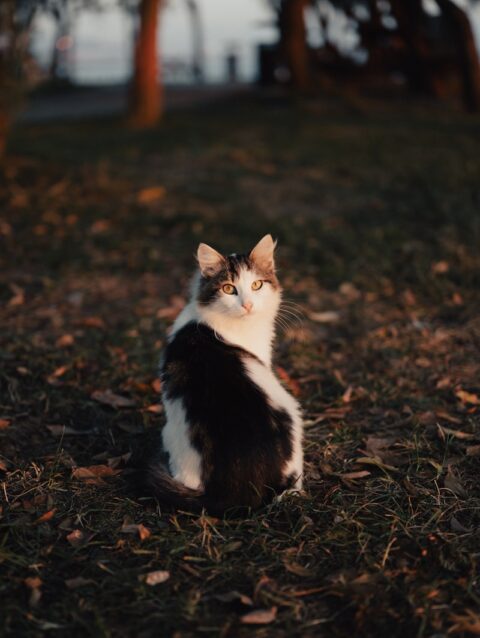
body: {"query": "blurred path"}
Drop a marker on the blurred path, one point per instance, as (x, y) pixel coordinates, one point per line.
(84, 102)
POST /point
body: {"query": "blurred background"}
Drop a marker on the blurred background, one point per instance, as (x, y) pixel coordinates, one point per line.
(132, 130)
(202, 49)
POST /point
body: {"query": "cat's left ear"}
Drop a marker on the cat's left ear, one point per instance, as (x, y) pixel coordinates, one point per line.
(262, 254)
(209, 260)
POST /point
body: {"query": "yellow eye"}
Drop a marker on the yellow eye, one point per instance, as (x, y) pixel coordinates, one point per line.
(229, 289)
(257, 284)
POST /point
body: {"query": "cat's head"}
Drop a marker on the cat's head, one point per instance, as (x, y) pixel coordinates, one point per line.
(239, 286)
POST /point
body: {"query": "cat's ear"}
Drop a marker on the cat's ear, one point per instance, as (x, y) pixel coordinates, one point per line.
(262, 254)
(209, 260)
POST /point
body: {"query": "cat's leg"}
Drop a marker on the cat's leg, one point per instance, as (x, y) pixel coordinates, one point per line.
(184, 460)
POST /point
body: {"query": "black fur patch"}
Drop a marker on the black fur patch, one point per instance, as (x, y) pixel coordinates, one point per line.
(244, 443)
(211, 286)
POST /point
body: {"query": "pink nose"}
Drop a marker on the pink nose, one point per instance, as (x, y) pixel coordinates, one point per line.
(248, 305)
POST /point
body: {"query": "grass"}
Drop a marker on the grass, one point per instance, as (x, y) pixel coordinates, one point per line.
(376, 211)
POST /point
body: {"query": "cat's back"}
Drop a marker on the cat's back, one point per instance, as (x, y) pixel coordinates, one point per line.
(196, 359)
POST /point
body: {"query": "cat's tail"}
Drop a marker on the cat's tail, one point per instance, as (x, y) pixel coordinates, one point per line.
(160, 484)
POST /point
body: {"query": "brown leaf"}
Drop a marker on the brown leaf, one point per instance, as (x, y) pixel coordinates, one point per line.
(157, 385)
(458, 434)
(232, 596)
(93, 474)
(77, 538)
(440, 267)
(289, 381)
(64, 341)
(298, 570)
(113, 400)
(355, 475)
(93, 322)
(469, 623)
(441, 414)
(155, 578)
(4, 423)
(74, 583)
(46, 517)
(143, 532)
(152, 194)
(329, 316)
(33, 582)
(155, 408)
(467, 397)
(453, 483)
(372, 460)
(259, 616)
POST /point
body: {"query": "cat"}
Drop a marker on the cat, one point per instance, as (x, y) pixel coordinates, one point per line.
(233, 435)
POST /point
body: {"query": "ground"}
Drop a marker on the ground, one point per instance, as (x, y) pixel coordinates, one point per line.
(375, 208)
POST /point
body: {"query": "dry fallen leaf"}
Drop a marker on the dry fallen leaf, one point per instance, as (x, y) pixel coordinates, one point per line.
(329, 316)
(287, 379)
(34, 583)
(467, 397)
(232, 596)
(135, 528)
(469, 623)
(155, 578)
(94, 474)
(74, 583)
(155, 408)
(355, 475)
(259, 616)
(108, 397)
(64, 341)
(77, 538)
(453, 483)
(157, 385)
(46, 517)
(458, 434)
(152, 194)
(4, 423)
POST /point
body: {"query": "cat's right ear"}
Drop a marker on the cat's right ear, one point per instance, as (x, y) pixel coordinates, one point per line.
(209, 260)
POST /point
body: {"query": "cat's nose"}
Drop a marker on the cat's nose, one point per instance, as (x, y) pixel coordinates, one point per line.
(248, 305)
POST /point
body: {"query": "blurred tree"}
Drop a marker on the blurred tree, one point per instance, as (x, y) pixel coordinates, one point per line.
(15, 21)
(146, 95)
(290, 19)
(394, 35)
(197, 40)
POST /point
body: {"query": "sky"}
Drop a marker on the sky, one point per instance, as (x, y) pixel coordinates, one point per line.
(103, 41)
(102, 51)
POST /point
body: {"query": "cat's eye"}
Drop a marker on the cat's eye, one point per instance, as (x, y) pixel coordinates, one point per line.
(229, 289)
(257, 284)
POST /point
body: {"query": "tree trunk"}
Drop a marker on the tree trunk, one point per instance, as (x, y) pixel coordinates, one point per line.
(293, 41)
(464, 40)
(409, 15)
(146, 97)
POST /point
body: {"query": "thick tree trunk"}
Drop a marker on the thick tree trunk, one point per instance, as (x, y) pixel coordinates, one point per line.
(293, 41)
(7, 81)
(464, 40)
(409, 15)
(146, 97)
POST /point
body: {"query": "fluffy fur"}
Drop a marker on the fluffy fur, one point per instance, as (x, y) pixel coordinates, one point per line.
(233, 436)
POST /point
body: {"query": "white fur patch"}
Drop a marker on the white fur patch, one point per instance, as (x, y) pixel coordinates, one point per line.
(279, 398)
(252, 331)
(185, 462)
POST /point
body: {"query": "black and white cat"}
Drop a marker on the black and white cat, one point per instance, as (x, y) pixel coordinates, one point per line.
(233, 436)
